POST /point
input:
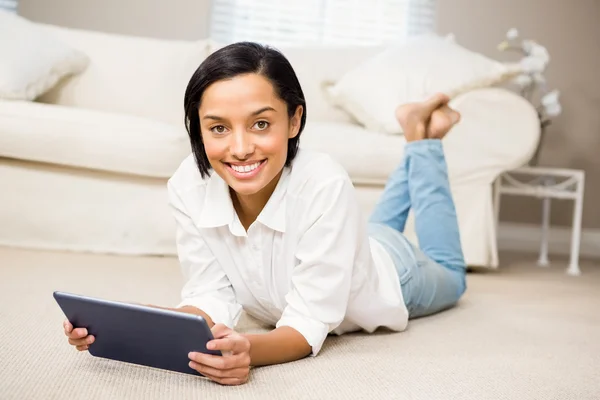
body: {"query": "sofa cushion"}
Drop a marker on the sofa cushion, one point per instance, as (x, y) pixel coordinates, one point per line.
(413, 71)
(144, 77)
(32, 61)
(90, 139)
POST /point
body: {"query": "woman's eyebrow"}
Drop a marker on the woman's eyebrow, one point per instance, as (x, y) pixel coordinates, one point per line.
(215, 117)
(257, 112)
(262, 110)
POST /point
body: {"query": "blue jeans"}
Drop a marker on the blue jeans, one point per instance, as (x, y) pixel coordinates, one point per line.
(432, 276)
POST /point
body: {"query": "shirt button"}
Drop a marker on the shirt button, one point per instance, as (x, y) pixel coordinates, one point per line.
(254, 247)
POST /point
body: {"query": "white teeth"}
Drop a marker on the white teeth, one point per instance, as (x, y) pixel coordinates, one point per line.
(245, 168)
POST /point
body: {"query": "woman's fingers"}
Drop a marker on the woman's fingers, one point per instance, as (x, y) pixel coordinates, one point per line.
(220, 331)
(226, 344)
(231, 381)
(220, 373)
(82, 342)
(67, 327)
(236, 376)
(77, 342)
(233, 344)
(221, 362)
(228, 381)
(78, 337)
(78, 333)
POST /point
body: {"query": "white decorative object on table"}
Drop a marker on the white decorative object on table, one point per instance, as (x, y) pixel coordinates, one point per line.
(544, 183)
(533, 64)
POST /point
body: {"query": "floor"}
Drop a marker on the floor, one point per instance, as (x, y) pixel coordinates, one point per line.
(521, 332)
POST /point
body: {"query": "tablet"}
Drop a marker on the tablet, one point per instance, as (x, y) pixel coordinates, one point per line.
(138, 334)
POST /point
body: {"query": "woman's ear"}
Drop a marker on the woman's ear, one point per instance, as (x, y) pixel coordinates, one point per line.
(295, 122)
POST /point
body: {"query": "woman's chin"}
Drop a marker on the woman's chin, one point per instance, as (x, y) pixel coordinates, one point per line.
(246, 188)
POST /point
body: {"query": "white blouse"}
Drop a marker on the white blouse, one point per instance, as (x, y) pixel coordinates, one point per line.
(306, 262)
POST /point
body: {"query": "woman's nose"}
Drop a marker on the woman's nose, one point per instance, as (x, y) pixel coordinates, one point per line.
(242, 146)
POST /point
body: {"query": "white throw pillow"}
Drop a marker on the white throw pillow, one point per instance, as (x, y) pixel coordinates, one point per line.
(32, 61)
(412, 72)
(134, 75)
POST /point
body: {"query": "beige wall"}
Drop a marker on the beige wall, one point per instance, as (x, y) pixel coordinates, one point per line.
(569, 29)
(168, 19)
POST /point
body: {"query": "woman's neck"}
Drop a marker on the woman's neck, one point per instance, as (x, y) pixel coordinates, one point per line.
(249, 207)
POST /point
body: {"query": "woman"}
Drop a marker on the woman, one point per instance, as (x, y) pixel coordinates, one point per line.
(275, 230)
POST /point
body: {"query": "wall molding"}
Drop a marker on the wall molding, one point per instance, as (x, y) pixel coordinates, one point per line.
(527, 238)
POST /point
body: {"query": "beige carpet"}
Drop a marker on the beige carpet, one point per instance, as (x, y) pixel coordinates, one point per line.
(521, 333)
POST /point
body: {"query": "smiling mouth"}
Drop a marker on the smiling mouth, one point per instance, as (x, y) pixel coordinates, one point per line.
(247, 169)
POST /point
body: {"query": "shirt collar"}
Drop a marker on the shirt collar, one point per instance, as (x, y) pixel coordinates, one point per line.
(273, 214)
(218, 208)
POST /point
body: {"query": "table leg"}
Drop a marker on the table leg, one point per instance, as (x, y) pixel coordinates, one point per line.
(496, 194)
(543, 259)
(573, 268)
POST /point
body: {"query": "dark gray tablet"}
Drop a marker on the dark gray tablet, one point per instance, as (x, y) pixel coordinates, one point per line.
(138, 334)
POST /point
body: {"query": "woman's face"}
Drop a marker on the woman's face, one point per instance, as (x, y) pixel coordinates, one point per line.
(245, 128)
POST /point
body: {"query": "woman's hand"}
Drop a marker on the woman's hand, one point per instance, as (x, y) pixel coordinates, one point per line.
(78, 337)
(233, 368)
(430, 119)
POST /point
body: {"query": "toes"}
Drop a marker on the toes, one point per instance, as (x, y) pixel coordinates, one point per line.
(456, 117)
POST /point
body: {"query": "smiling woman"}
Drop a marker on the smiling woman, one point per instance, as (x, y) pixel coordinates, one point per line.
(275, 230)
(244, 117)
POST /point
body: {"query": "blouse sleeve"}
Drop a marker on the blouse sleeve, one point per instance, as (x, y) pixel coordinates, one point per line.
(321, 282)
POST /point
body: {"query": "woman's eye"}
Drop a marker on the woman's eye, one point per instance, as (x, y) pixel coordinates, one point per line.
(261, 125)
(218, 129)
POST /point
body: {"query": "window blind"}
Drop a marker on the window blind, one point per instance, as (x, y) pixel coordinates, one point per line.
(9, 5)
(321, 22)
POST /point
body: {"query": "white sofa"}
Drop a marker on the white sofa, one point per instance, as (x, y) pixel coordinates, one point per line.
(85, 167)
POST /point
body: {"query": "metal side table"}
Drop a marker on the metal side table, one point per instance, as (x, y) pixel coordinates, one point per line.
(547, 184)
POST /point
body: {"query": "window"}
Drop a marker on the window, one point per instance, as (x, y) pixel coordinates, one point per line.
(9, 5)
(321, 22)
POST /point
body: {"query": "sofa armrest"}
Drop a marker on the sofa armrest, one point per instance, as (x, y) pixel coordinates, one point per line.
(499, 131)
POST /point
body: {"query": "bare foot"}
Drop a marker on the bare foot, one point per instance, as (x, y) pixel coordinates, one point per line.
(430, 119)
